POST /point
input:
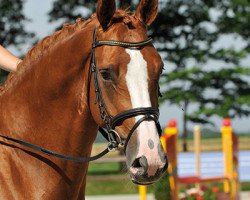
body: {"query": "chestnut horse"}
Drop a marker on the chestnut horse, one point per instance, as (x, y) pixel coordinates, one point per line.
(66, 87)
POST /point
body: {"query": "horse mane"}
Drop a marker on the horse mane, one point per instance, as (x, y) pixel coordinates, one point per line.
(50, 41)
(68, 29)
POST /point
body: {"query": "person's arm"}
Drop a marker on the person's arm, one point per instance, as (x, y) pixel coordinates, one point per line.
(8, 61)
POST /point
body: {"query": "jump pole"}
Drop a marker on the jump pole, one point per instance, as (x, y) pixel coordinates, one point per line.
(230, 157)
(143, 192)
(169, 139)
(197, 152)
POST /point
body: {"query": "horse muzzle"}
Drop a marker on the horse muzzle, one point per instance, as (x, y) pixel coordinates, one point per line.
(144, 172)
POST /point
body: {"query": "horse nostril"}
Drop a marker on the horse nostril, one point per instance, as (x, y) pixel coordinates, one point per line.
(136, 163)
(141, 163)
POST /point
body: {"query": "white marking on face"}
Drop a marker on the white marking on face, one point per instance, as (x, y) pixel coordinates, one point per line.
(137, 82)
(137, 79)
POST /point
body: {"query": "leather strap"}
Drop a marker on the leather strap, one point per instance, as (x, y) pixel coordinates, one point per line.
(119, 118)
(121, 43)
(144, 118)
(110, 147)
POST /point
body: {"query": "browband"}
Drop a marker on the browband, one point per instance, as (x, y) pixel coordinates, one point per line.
(121, 43)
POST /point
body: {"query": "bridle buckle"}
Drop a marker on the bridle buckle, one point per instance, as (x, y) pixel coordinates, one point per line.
(120, 146)
(112, 146)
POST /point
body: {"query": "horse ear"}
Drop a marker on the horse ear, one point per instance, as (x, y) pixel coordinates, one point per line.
(147, 11)
(105, 12)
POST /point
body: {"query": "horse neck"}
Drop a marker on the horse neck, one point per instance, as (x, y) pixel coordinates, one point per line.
(48, 106)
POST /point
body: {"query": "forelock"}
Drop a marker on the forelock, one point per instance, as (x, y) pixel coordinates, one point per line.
(123, 16)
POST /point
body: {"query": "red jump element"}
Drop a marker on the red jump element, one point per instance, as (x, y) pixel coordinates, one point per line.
(226, 122)
(172, 123)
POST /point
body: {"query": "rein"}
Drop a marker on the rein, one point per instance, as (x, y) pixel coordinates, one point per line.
(115, 141)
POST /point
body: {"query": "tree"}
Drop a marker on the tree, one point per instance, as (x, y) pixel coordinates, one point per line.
(233, 81)
(69, 10)
(12, 26)
(233, 93)
(236, 19)
(186, 39)
(182, 32)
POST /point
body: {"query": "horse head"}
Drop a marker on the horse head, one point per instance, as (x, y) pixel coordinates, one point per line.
(125, 74)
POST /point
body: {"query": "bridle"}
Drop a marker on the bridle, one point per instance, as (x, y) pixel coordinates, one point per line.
(110, 122)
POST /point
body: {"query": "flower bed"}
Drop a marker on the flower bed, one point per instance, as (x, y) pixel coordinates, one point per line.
(204, 193)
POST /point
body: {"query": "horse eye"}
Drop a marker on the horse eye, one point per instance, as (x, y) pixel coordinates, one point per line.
(106, 75)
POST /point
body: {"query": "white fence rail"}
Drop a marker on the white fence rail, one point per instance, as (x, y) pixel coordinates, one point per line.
(212, 164)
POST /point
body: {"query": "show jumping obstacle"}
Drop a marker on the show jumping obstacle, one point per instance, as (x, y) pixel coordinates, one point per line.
(101, 73)
(230, 155)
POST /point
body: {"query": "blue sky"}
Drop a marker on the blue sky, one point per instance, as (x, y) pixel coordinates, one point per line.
(37, 11)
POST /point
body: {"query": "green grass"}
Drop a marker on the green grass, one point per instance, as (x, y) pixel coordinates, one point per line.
(245, 186)
(103, 187)
(104, 169)
(122, 185)
(110, 187)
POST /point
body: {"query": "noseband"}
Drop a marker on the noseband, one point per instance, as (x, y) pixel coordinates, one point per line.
(111, 122)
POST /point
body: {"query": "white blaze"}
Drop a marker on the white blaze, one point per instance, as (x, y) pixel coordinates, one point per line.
(137, 79)
(137, 82)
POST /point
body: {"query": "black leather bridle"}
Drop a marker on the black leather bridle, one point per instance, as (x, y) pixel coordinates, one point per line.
(110, 122)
